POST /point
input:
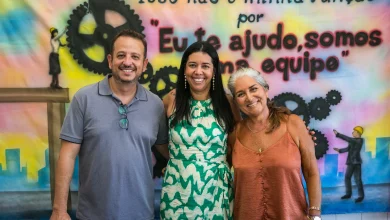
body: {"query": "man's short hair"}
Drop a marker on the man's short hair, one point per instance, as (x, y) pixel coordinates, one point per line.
(132, 34)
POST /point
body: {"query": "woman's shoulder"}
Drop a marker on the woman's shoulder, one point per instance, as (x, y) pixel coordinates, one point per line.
(169, 102)
(297, 128)
(235, 109)
(294, 121)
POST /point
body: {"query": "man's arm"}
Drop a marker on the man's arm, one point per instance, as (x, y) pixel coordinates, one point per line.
(59, 35)
(163, 149)
(344, 137)
(343, 150)
(162, 136)
(63, 176)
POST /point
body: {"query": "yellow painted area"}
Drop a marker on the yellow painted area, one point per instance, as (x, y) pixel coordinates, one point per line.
(296, 24)
(225, 78)
(13, 77)
(32, 152)
(95, 53)
(76, 76)
(160, 85)
(173, 78)
(379, 129)
(7, 5)
(160, 60)
(88, 25)
(385, 96)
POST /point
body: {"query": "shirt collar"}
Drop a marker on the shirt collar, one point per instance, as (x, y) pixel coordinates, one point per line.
(104, 89)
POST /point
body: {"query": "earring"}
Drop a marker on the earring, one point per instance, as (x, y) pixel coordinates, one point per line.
(213, 82)
(185, 82)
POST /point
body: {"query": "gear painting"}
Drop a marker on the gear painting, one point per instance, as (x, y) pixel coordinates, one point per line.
(319, 108)
(322, 144)
(333, 97)
(164, 81)
(300, 109)
(82, 38)
(147, 75)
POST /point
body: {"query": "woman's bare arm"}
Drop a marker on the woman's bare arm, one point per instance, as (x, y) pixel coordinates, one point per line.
(310, 171)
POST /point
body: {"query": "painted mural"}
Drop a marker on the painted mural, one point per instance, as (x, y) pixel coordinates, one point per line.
(326, 60)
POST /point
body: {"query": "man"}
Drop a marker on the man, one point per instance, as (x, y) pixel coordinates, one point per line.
(354, 162)
(112, 125)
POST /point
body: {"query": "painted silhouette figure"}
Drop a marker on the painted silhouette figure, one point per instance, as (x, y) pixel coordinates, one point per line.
(354, 162)
(54, 61)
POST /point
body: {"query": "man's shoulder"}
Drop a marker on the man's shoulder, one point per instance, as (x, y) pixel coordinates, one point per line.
(152, 97)
(87, 90)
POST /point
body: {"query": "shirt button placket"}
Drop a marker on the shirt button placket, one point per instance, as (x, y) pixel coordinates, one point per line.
(261, 172)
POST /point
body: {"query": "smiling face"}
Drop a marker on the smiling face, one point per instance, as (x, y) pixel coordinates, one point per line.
(127, 61)
(250, 96)
(199, 72)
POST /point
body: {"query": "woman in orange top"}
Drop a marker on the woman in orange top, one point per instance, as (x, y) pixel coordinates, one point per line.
(269, 149)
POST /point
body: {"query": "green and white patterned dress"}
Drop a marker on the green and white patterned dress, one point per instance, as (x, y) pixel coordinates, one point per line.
(197, 181)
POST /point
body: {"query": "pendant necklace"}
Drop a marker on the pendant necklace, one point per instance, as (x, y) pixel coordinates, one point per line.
(253, 134)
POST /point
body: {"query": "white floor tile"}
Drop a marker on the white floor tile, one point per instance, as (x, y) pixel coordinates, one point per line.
(328, 217)
(374, 215)
(354, 216)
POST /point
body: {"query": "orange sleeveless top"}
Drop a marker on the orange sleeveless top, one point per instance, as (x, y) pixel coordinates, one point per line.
(268, 185)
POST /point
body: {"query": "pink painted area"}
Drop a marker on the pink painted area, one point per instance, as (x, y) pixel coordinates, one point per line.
(23, 118)
(25, 70)
(371, 110)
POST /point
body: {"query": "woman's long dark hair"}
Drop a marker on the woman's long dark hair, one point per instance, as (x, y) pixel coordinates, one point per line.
(221, 106)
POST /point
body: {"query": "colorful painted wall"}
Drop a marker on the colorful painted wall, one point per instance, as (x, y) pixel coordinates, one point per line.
(327, 60)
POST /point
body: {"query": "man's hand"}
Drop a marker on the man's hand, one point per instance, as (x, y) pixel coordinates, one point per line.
(336, 149)
(335, 132)
(57, 215)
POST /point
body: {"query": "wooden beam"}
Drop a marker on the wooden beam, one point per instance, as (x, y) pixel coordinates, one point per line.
(55, 99)
(55, 118)
(34, 95)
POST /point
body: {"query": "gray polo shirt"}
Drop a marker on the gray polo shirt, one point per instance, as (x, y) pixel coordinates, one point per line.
(115, 164)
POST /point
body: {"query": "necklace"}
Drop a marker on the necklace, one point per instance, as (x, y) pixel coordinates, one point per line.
(253, 132)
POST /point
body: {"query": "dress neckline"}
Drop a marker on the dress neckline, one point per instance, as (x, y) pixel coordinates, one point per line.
(203, 102)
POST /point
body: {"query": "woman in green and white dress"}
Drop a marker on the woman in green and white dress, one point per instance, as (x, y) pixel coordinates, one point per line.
(197, 180)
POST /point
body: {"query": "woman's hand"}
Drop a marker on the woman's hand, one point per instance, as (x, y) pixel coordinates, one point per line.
(312, 133)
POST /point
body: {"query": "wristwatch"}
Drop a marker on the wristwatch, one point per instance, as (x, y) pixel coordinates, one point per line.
(314, 217)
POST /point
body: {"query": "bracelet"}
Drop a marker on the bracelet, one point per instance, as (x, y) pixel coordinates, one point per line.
(314, 208)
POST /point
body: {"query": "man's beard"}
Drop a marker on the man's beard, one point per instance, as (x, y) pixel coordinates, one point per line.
(118, 79)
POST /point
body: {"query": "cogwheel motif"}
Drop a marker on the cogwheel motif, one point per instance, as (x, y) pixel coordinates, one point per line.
(163, 76)
(333, 97)
(322, 144)
(319, 108)
(301, 108)
(147, 75)
(103, 32)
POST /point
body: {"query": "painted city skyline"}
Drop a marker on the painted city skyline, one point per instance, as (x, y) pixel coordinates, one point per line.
(14, 177)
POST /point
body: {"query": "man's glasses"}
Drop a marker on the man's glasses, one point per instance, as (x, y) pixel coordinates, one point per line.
(124, 122)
